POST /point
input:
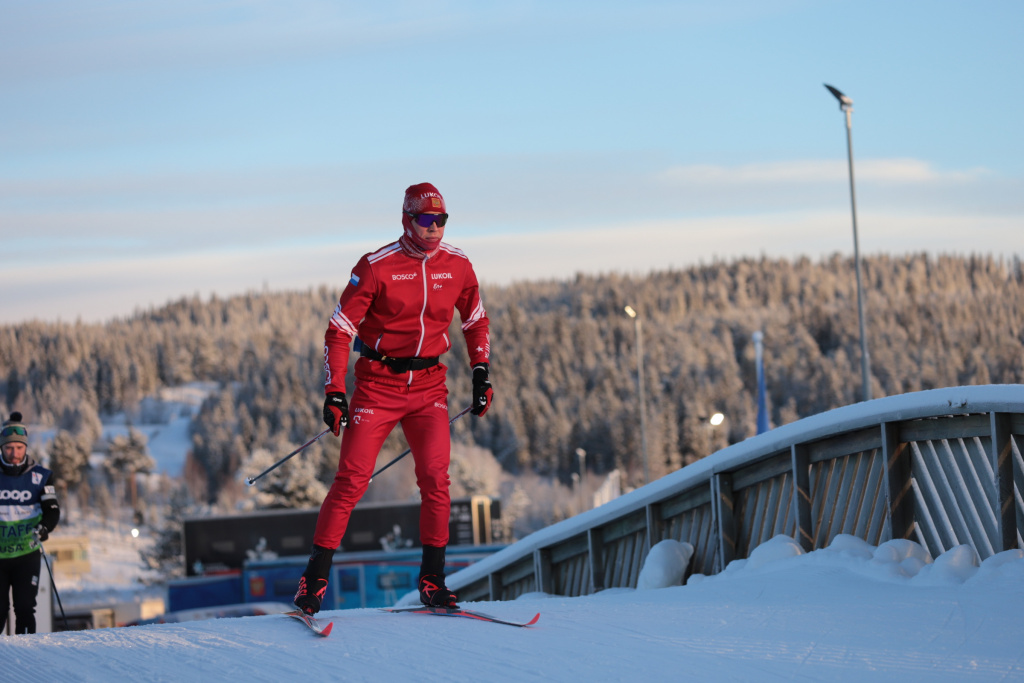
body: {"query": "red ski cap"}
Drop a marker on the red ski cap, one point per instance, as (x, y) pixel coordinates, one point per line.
(423, 198)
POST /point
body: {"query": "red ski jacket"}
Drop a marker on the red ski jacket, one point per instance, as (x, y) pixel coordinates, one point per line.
(402, 306)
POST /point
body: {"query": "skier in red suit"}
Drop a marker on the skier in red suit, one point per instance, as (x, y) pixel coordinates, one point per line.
(397, 306)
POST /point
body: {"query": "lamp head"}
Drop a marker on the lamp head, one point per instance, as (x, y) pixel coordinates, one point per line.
(844, 101)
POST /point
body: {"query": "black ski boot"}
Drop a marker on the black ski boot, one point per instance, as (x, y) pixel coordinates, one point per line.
(433, 592)
(313, 584)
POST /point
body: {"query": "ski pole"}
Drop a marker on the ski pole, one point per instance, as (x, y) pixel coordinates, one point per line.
(407, 451)
(53, 585)
(252, 480)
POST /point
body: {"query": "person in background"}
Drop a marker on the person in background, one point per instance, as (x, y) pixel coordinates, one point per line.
(397, 306)
(28, 513)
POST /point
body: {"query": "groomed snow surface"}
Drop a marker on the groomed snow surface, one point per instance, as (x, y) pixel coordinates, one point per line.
(851, 612)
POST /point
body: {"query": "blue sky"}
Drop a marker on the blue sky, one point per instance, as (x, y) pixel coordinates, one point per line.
(150, 151)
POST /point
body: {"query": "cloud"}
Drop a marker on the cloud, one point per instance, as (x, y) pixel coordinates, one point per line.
(639, 248)
(103, 288)
(811, 172)
(110, 287)
(77, 219)
(64, 38)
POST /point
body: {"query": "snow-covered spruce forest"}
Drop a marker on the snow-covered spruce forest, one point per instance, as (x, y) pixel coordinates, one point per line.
(563, 368)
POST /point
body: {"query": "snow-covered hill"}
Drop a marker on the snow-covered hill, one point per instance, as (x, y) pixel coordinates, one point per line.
(847, 613)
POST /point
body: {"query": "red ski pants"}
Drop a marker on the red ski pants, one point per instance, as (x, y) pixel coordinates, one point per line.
(374, 411)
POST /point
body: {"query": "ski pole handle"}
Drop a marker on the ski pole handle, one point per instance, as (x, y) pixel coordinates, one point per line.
(252, 480)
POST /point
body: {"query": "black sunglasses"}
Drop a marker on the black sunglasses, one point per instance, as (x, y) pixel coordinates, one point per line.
(424, 220)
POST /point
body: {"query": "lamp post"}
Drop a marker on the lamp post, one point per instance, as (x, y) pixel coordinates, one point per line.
(582, 455)
(762, 404)
(640, 382)
(710, 424)
(846, 106)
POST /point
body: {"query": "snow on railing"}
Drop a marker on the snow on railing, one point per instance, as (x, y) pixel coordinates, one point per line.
(940, 467)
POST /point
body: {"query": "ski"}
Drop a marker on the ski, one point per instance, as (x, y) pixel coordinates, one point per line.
(312, 623)
(459, 612)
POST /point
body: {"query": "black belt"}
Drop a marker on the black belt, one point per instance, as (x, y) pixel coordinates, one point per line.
(400, 364)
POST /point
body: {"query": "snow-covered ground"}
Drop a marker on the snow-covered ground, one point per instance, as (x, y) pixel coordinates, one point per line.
(165, 419)
(167, 443)
(850, 612)
(116, 573)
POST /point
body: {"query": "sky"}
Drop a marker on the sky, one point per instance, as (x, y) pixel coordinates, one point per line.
(849, 612)
(152, 151)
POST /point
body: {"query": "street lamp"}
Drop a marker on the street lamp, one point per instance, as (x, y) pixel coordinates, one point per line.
(710, 424)
(640, 382)
(582, 455)
(846, 106)
(762, 404)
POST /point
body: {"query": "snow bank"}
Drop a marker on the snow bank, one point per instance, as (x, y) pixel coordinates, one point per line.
(665, 565)
(898, 560)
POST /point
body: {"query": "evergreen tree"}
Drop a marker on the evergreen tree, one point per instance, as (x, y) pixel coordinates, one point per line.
(167, 554)
(68, 460)
(563, 359)
(293, 485)
(129, 456)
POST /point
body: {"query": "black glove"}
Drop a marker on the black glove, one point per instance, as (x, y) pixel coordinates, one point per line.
(336, 411)
(482, 392)
(40, 533)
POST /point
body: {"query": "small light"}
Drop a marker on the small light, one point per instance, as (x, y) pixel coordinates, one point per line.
(630, 312)
(135, 533)
(717, 419)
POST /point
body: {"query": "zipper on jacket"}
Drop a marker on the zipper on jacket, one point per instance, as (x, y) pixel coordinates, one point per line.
(423, 312)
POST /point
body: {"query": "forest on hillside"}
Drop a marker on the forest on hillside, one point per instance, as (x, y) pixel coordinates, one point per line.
(563, 367)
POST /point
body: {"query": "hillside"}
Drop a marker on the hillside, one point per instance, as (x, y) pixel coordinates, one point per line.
(564, 365)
